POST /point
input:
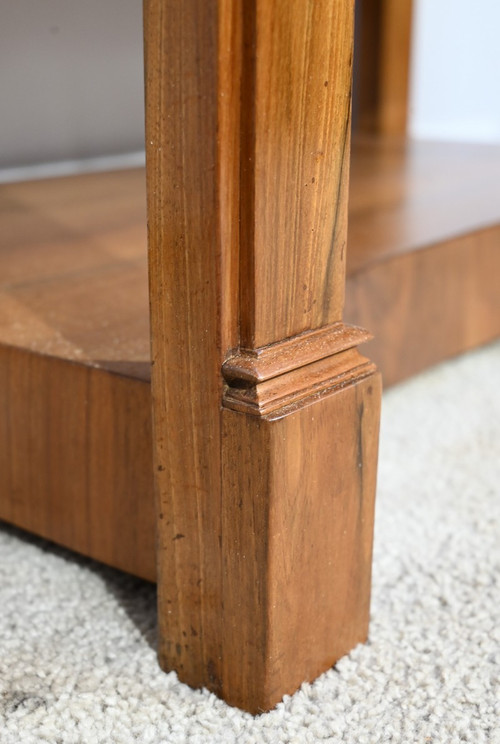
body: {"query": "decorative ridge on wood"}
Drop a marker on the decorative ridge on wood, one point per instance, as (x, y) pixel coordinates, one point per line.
(253, 366)
(279, 396)
(277, 379)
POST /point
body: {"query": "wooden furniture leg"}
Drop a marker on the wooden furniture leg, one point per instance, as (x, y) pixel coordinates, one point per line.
(382, 66)
(265, 414)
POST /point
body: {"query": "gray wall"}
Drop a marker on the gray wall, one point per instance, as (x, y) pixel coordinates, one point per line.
(71, 76)
(455, 91)
(71, 79)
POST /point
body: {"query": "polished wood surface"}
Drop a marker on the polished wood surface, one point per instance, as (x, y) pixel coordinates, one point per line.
(284, 108)
(262, 446)
(75, 441)
(304, 522)
(260, 364)
(430, 304)
(382, 66)
(423, 259)
(74, 289)
(263, 390)
(75, 458)
(185, 276)
(406, 195)
(80, 242)
(73, 270)
(295, 138)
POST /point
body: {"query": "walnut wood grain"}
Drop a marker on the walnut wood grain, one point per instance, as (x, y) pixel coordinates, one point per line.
(445, 297)
(281, 173)
(75, 457)
(68, 244)
(295, 138)
(73, 270)
(265, 484)
(407, 195)
(394, 62)
(280, 395)
(382, 66)
(75, 424)
(181, 65)
(297, 540)
(257, 365)
(423, 260)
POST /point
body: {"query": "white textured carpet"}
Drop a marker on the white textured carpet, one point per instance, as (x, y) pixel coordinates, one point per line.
(76, 658)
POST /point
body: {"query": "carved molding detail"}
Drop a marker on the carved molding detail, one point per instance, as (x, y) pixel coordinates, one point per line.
(277, 379)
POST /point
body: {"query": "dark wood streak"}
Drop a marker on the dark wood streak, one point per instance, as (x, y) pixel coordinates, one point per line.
(247, 172)
(340, 205)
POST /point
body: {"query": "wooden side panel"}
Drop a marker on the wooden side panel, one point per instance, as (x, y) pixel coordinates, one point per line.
(75, 458)
(40, 412)
(184, 268)
(294, 165)
(297, 539)
(429, 304)
(121, 515)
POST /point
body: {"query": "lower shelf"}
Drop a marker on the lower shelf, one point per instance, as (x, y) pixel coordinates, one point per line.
(75, 428)
(76, 458)
(423, 251)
